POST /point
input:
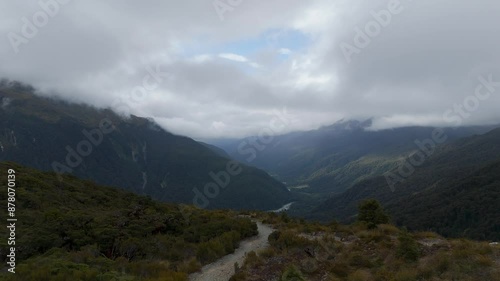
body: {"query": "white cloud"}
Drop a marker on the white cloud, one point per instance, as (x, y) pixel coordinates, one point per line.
(285, 51)
(202, 58)
(419, 65)
(254, 64)
(233, 57)
(238, 58)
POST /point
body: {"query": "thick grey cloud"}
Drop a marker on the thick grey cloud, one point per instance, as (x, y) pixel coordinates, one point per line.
(228, 78)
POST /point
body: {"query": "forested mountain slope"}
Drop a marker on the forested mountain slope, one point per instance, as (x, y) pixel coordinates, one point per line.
(133, 153)
(455, 192)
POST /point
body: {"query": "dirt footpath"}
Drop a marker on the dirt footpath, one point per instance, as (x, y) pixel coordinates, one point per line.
(223, 269)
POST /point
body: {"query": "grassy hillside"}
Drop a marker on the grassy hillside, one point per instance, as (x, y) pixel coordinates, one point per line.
(77, 230)
(314, 252)
(136, 154)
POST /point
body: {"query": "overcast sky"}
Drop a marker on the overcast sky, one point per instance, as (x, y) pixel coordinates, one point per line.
(225, 68)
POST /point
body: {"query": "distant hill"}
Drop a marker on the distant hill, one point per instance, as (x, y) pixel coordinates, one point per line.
(455, 192)
(333, 158)
(134, 153)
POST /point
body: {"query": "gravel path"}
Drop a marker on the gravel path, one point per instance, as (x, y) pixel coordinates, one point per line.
(223, 269)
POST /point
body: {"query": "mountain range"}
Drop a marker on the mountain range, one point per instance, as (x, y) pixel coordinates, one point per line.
(452, 190)
(130, 152)
(452, 187)
(333, 158)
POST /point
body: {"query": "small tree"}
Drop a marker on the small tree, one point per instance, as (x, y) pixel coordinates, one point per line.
(371, 212)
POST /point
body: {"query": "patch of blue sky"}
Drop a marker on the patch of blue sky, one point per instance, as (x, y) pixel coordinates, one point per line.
(274, 39)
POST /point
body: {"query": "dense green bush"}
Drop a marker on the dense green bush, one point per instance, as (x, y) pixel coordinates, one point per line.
(408, 247)
(286, 240)
(292, 274)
